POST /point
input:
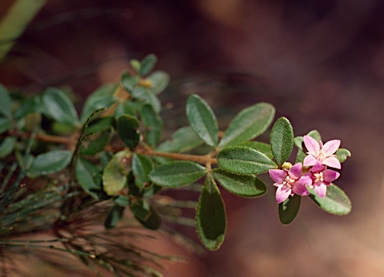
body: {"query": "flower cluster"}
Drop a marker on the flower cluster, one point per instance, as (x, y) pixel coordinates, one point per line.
(313, 173)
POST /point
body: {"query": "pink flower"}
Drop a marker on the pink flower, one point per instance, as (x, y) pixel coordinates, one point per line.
(289, 182)
(322, 177)
(322, 153)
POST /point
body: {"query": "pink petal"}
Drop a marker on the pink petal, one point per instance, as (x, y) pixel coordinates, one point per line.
(282, 193)
(300, 186)
(278, 175)
(332, 162)
(330, 175)
(331, 146)
(309, 160)
(295, 171)
(312, 145)
(320, 189)
(317, 167)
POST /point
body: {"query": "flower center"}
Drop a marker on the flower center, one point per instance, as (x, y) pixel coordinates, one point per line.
(318, 177)
(288, 181)
(321, 156)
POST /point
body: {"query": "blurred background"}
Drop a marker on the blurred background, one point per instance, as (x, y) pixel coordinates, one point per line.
(321, 63)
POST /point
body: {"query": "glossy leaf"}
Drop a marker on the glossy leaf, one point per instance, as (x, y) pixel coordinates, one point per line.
(289, 209)
(241, 185)
(153, 124)
(5, 103)
(281, 140)
(6, 146)
(183, 140)
(59, 107)
(129, 82)
(334, 202)
(114, 217)
(147, 64)
(141, 167)
(248, 124)
(88, 176)
(342, 154)
(202, 120)
(128, 130)
(147, 97)
(244, 160)
(177, 174)
(115, 173)
(50, 162)
(100, 98)
(210, 216)
(160, 81)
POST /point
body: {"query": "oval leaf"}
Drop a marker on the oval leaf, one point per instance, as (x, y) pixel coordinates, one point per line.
(248, 124)
(147, 64)
(89, 177)
(281, 140)
(183, 140)
(59, 107)
(210, 216)
(262, 147)
(7, 146)
(50, 162)
(95, 143)
(241, 185)
(115, 173)
(342, 154)
(153, 221)
(159, 80)
(177, 174)
(141, 167)
(202, 120)
(244, 160)
(153, 125)
(289, 209)
(128, 130)
(334, 202)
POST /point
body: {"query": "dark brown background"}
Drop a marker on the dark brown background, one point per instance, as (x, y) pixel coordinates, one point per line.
(321, 63)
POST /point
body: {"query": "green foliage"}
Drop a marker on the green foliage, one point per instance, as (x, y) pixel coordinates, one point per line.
(112, 164)
(210, 215)
(244, 160)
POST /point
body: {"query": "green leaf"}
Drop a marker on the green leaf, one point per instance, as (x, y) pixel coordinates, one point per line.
(146, 97)
(50, 162)
(122, 200)
(59, 107)
(88, 176)
(147, 64)
(141, 167)
(100, 125)
(177, 174)
(241, 185)
(342, 154)
(153, 221)
(153, 124)
(210, 216)
(5, 103)
(334, 202)
(100, 98)
(244, 160)
(95, 143)
(160, 81)
(5, 124)
(7, 146)
(202, 120)
(129, 82)
(29, 105)
(248, 124)
(114, 217)
(289, 209)
(115, 173)
(183, 140)
(281, 140)
(140, 209)
(262, 147)
(315, 134)
(136, 65)
(128, 130)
